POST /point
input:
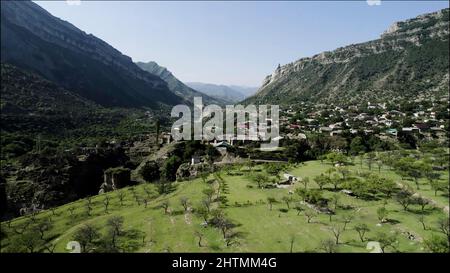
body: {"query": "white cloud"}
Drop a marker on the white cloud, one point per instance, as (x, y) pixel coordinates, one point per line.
(73, 2)
(373, 2)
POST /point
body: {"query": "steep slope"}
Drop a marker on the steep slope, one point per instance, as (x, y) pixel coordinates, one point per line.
(410, 59)
(247, 91)
(33, 39)
(31, 105)
(29, 102)
(222, 92)
(174, 84)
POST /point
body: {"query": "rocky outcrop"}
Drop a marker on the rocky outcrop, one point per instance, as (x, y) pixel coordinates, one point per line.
(33, 39)
(53, 30)
(349, 68)
(115, 178)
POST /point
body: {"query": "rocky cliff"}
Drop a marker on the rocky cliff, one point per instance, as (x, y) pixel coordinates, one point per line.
(33, 39)
(410, 57)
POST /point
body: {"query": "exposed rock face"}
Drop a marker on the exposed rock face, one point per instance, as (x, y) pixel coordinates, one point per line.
(48, 180)
(35, 40)
(382, 65)
(115, 178)
(186, 170)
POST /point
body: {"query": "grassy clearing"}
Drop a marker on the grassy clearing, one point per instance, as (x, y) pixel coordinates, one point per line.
(258, 229)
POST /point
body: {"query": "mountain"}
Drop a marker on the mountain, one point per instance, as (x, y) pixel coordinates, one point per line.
(175, 85)
(33, 39)
(229, 94)
(34, 104)
(247, 91)
(410, 59)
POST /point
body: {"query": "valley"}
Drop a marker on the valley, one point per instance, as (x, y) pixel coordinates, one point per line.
(89, 160)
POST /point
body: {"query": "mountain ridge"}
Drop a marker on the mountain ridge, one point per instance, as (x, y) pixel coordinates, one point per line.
(175, 85)
(229, 93)
(37, 41)
(399, 57)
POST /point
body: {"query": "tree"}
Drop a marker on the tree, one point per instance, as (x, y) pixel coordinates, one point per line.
(209, 193)
(382, 213)
(43, 227)
(207, 204)
(259, 179)
(184, 202)
(404, 198)
(337, 232)
(121, 196)
(71, 210)
(150, 171)
(443, 224)
(336, 158)
(437, 186)
(335, 181)
(298, 208)
(357, 146)
(329, 171)
(386, 240)
(250, 164)
(422, 202)
(347, 218)
(204, 176)
(335, 200)
(88, 207)
(321, 181)
(292, 241)
(199, 235)
(273, 169)
(164, 186)
(106, 203)
(328, 245)
(370, 158)
(220, 220)
(165, 205)
(203, 212)
(115, 226)
(271, 201)
(362, 229)
(305, 182)
(29, 240)
(86, 237)
(343, 171)
(422, 221)
(287, 200)
(310, 214)
(437, 244)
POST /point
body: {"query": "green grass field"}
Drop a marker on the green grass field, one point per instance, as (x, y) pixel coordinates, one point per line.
(257, 227)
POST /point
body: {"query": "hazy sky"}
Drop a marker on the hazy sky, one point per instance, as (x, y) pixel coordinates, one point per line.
(233, 42)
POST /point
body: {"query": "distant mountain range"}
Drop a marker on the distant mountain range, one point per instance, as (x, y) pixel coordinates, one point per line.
(410, 59)
(34, 40)
(228, 93)
(175, 85)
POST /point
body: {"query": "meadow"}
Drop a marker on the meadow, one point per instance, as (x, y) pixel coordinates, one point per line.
(259, 219)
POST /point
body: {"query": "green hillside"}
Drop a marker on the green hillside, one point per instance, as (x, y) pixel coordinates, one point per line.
(244, 217)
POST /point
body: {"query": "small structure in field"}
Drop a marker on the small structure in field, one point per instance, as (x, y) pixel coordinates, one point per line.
(290, 179)
(115, 178)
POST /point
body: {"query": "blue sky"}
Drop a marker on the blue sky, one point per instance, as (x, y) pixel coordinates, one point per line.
(233, 42)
